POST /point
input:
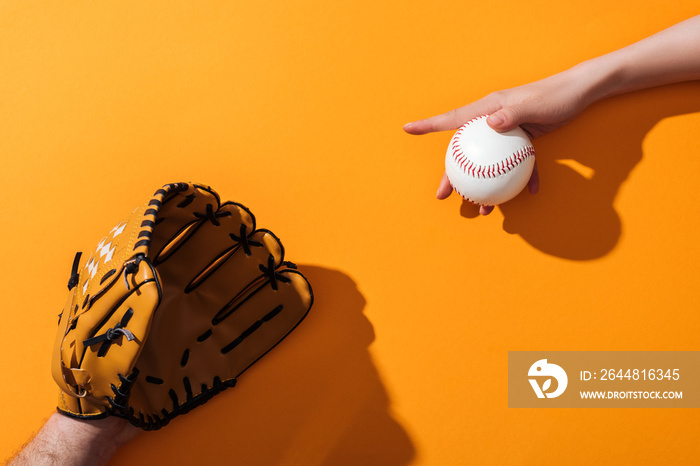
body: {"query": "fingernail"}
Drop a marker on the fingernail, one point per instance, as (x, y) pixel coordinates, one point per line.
(407, 125)
(496, 119)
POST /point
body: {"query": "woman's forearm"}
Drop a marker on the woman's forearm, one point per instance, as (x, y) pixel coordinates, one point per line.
(670, 56)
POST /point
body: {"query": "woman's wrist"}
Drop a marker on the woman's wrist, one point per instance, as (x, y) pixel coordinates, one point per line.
(598, 78)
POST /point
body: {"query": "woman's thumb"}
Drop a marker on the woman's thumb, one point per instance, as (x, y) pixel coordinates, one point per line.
(506, 118)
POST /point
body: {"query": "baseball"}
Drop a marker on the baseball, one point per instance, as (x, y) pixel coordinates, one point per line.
(487, 167)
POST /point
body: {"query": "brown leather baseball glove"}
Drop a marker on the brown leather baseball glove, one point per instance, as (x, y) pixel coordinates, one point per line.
(175, 303)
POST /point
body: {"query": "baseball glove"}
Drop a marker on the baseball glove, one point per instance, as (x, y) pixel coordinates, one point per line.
(175, 303)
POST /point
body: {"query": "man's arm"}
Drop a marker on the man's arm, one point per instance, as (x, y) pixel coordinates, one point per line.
(72, 442)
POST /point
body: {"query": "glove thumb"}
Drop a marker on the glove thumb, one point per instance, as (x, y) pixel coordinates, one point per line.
(507, 118)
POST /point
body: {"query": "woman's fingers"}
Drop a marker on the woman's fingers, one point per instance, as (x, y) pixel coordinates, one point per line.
(452, 119)
(445, 188)
(485, 209)
(533, 185)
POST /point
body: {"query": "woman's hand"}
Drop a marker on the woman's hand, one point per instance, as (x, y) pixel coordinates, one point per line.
(538, 108)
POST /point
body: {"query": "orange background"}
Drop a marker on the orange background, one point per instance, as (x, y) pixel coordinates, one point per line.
(295, 109)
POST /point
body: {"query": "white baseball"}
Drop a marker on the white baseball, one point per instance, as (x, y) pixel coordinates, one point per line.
(487, 167)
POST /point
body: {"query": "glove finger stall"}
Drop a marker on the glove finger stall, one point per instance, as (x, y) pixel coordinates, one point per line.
(206, 244)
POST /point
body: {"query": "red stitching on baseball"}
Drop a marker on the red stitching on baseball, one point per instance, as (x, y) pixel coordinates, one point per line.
(461, 128)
